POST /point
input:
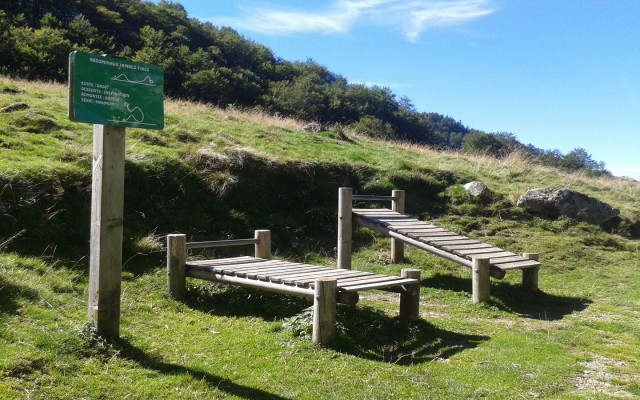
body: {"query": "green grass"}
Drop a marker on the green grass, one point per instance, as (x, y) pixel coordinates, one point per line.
(215, 174)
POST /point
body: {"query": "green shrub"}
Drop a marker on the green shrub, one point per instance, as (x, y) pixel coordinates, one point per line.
(373, 127)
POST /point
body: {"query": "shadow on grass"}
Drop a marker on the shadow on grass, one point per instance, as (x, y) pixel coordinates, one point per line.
(10, 293)
(513, 299)
(362, 331)
(131, 352)
(234, 301)
(371, 334)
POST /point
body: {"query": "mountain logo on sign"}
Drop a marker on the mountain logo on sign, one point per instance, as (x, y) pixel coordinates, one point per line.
(135, 117)
(147, 81)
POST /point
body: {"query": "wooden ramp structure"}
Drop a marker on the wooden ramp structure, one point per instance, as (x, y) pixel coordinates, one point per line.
(326, 286)
(484, 259)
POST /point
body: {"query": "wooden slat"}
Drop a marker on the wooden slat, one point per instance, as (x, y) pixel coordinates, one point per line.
(340, 277)
(379, 216)
(368, 279)
(492, 255)
(229, 268)
(467, 246)
(244, 272)
(267, 275)
(253, 266)
(372, 216)
(518, 265)
(502, 260)
(303, 269)
(380, 285)
(421, 228)
(365, 211)
(238, 260)
(348, 280)
(302, 273)
(249, 264)
(429, 239)
(471, 252)
(398, 220)
(394, 224)
(220, 243)
(286, 277)
(339, 274)
(370, 197)
(423, 234)
(376, 221)
(235, 269)
(275, 264)
(389, 215)
(457, 241)
(276, 268)
(291, 279)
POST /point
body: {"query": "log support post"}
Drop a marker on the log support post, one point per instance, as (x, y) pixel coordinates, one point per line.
(263, 247)
(480, 283)
(530, 275)
(324, 310)
(107, 208)
(345, 227)
(176, 268)
(410, 299)
(397, 247)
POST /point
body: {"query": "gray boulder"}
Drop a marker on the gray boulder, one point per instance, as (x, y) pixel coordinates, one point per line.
(312, 127)
(477, 189)
(556, 202)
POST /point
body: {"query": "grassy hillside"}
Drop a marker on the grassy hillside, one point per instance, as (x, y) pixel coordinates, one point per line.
(215, 174)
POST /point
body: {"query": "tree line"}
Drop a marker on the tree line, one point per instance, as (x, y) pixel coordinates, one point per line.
(217, 65)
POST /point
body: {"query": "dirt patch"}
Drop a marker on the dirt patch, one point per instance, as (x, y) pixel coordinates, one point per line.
(595, 378)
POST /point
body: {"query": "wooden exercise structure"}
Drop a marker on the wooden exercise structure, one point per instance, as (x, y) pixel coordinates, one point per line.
(484, 259)
(327, 286)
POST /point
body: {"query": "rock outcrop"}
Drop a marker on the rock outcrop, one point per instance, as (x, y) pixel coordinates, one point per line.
(556, 202)
(477, 189)
(312, 127)
(14, 107)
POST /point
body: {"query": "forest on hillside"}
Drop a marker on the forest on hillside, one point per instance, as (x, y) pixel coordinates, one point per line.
(217, 65)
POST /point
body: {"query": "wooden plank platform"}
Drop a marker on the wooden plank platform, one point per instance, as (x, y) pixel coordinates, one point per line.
(438, 240)
(326, 286)
(297, 278)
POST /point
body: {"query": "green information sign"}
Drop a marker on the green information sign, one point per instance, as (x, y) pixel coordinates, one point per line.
(116, 92)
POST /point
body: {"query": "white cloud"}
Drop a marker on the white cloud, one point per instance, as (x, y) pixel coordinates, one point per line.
(409, 16)
(444, 14)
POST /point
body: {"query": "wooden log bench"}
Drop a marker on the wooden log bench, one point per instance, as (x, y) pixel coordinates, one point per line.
(326, 286)
(484, 259)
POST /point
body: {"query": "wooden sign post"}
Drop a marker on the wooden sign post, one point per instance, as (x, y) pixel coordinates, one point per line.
(113, 94)
(107, 208)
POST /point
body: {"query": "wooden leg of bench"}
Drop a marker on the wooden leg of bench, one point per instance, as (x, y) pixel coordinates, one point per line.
(345, 206)
(480, 282)
(262, 249)
(410, 301)
(397, 246)
(397, 251)
(530, 279)
(176, 259)
(324, 310)
(530, 275)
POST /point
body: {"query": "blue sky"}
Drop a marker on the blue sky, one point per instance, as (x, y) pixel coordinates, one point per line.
(557, 74)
